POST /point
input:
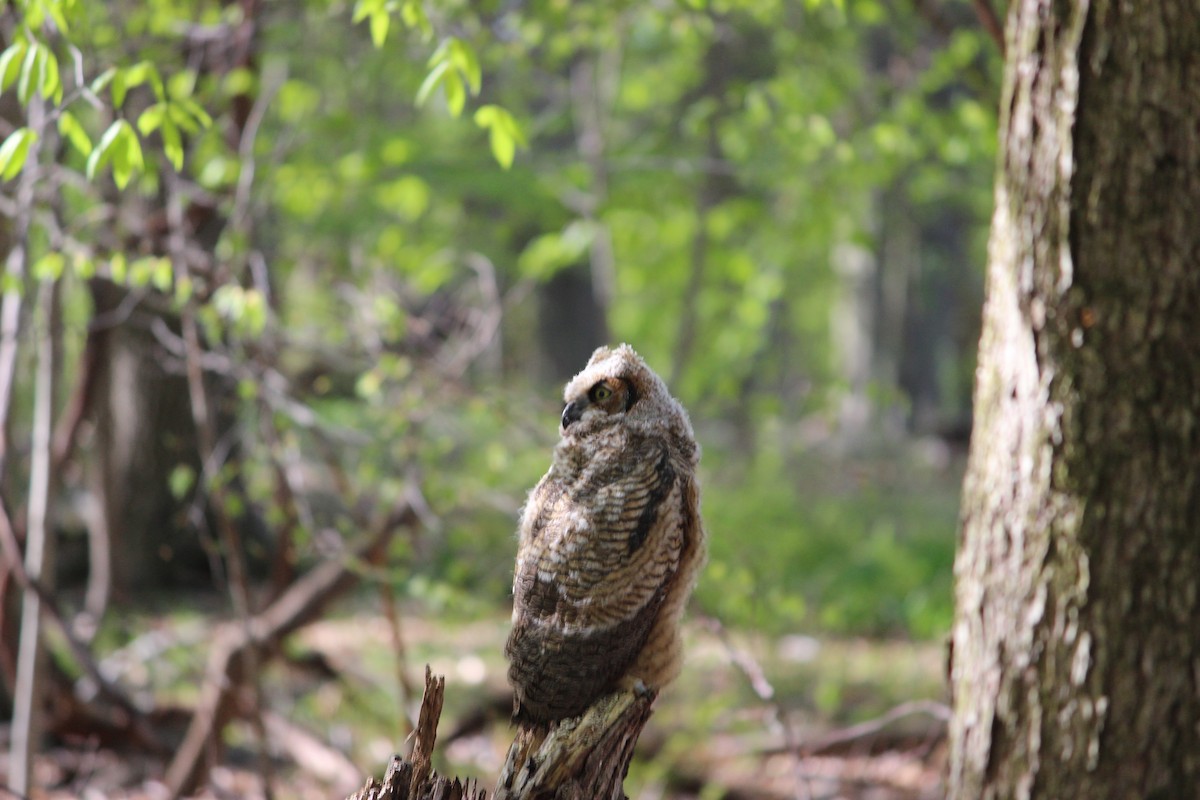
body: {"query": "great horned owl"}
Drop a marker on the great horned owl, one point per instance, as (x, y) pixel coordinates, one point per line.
(610, 544)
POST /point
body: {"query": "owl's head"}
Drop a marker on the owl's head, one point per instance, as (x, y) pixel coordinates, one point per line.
(617, 388)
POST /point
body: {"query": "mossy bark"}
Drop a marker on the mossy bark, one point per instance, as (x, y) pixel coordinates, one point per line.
(1076, 647)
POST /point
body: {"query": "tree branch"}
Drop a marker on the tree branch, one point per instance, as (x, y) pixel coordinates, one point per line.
(990, 21)
(300, 604)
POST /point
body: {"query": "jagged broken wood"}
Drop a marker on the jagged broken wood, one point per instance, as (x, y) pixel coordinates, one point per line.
(583, 758)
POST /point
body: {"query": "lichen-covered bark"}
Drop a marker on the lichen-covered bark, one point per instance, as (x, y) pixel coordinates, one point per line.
(1076, 661)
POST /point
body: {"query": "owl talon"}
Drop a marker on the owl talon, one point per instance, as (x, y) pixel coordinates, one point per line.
(641, 690)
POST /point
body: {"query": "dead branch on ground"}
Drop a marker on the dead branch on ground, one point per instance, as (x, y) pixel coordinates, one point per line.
(224, 678)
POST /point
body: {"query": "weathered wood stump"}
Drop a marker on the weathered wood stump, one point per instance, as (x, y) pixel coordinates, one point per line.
(583, 758)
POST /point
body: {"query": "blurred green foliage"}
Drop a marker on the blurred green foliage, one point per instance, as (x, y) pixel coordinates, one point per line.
(719, 152)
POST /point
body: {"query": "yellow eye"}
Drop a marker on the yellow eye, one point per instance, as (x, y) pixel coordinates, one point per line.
(600, 393)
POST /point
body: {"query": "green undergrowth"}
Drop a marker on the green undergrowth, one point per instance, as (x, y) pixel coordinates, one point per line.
(847, 546)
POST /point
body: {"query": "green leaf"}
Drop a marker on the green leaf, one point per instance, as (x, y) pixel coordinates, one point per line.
(161, 274)
(183, 290)
(181, 480)
(504, 134)
(150, 119)
(127, 155)
(380, 20)
(144, 72)
(73, 132)
(14, 152)
(464, 58)
(118, 268)
(118, 88)
(183, 83)
(172, 143)
(55, 10)
(182, 119)
(456, 95)
(413, 15)
(83, 266)
(503, 146)
(29, 69)
(431, 81)
(103, 79)
(49, 267)
(51, 84)
(364, 9)
(10, 64)
(198, 113)
(103, 151)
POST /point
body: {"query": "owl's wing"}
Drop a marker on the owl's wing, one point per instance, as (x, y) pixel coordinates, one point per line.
(595, 559)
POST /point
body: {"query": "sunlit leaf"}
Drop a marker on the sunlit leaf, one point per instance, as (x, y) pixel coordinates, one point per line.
(118, 268)
(55, 10)
(103, 79)
(504, 134)
(431, 81)
(183, 83)
(103, 151)
(364, 9)
(503, 146)
(30, 69)
(144, 72)
(380, 21)
(414, 16)
(161, 274)
(456, 95)
(463, 56)
(150, 119)
(172, 143)
(74, 133)
(196, 110)
(15, 151)
(51, 84)
(83, 266)
(181, 480)
(49, 267)
(10, 64)
(117, 88)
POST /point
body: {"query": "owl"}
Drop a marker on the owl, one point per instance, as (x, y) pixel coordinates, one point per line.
(610, 544)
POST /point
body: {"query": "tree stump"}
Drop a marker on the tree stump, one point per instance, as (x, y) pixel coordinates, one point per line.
(582, 758)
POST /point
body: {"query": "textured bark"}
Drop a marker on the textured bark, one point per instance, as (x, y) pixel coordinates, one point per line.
(580, 758)
(1076, 658)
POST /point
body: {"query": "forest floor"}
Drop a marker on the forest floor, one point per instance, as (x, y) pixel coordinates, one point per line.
(752, 717)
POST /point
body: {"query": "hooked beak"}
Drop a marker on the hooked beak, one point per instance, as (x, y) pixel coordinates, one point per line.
(572, 413)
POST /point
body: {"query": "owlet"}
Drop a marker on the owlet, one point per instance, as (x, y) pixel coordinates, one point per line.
(610, 544)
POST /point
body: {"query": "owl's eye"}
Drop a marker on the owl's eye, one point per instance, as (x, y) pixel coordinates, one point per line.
(600, 392)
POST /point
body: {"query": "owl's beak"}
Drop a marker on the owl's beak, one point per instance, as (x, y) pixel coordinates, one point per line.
(572, 413)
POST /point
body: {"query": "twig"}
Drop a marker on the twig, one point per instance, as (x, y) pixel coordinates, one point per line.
(27, 721)
(239, 216)
(227, 531)
(299, 605)
(387, 599)
(870, 728)
(757, 678)
(991, 22)
(83, 656)
(15, 272)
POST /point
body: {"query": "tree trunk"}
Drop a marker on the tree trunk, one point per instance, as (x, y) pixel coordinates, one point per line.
(1076, 657)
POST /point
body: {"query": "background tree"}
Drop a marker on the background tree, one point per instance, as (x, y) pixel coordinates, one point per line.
(1075, 647)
